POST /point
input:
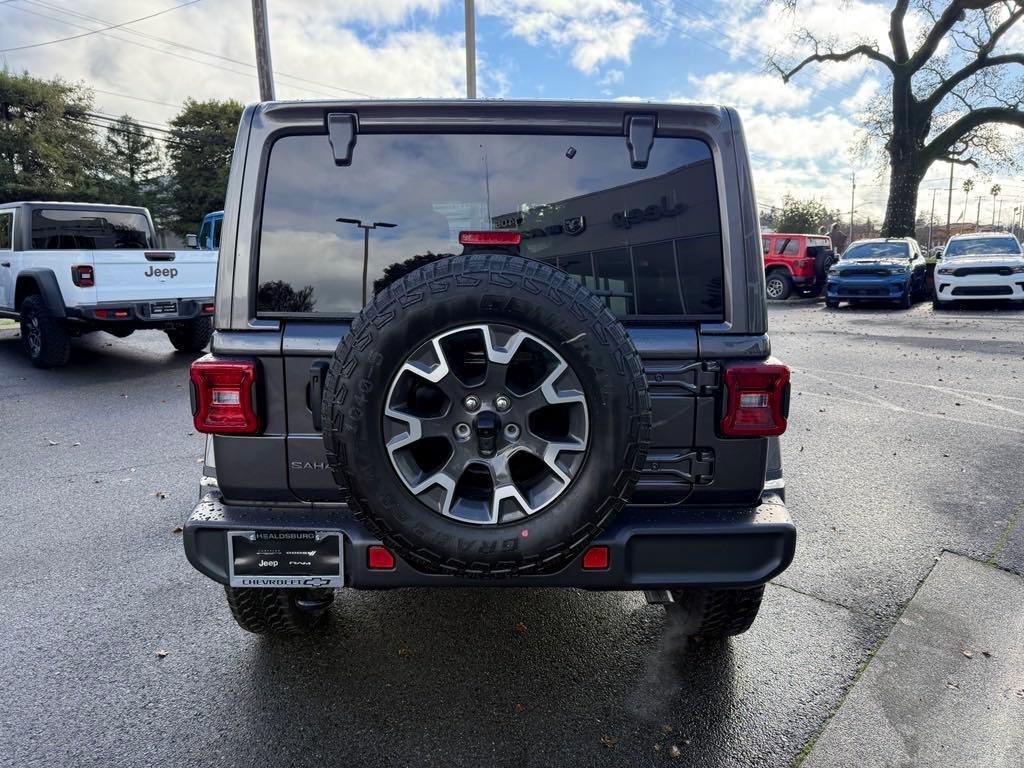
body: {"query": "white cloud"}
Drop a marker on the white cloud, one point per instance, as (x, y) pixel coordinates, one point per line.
(749, 89)
(612, 77)
(824, 137)
(596, 32)
(398, 57)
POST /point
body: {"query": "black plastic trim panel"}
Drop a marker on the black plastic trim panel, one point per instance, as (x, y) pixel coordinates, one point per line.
(650, 548)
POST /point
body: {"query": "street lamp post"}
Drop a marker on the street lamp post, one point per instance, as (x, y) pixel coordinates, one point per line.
(366, 243)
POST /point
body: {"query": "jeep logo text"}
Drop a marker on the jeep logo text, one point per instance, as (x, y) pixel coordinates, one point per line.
(161, 272)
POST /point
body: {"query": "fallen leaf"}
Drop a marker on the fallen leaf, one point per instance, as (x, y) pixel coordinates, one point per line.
(75, 445)
(520, 628)
(666, 728)
(404, 653)
(51, 442)
(609, 741)
(160, 653)
(968, 653)
(520, 708)
(675, 752)
(160, 494)
(987, 654)
(177, 529)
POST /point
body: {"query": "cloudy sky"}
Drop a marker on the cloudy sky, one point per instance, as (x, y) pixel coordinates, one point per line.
(713, 51)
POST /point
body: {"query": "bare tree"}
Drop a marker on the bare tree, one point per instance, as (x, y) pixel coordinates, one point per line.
(948, 93)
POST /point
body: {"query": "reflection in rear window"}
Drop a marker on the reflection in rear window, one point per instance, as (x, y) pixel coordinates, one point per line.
(89, 230)
(648, 241)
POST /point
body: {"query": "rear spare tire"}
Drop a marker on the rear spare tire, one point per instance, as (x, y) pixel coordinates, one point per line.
(486, 415)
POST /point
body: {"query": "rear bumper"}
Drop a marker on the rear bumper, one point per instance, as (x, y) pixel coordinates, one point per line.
(870, 288)
(650, 548)
(140, 313)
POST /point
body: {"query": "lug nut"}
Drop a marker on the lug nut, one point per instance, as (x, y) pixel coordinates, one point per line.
(511, 431)
(471, 403)
(502, 403)
(462, 430)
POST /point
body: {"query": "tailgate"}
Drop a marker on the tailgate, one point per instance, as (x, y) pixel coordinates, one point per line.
(131, 275)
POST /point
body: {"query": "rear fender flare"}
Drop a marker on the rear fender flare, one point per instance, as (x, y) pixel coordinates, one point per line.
(45, 284)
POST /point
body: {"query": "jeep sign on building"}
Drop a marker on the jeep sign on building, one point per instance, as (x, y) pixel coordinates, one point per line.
(623, 242)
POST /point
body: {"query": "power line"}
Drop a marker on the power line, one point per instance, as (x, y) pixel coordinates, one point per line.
(95, 31)
(135, 98)
(133, 42)
(183, 46)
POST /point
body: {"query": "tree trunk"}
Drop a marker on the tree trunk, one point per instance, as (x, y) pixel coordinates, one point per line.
(901, 207)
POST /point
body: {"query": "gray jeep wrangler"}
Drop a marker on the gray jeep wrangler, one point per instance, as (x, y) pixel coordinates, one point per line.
(497, 344)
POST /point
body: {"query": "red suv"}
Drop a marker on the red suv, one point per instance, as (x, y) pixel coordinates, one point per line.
(795, 263)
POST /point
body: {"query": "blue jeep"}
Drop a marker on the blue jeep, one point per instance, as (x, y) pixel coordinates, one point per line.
(208, 238)
(883, 269)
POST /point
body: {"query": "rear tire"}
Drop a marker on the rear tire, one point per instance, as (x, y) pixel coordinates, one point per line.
(45, 338)
(278, 612)
(191, 335)
(778, 286)
(713, 613)
(908, 298)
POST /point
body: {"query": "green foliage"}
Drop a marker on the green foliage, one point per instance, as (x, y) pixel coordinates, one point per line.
(804, 216)
(133, 158)
(47, 148)
(199, 151)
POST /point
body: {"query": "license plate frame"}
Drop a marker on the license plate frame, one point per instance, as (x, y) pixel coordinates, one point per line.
(276, 559)
(163, 308)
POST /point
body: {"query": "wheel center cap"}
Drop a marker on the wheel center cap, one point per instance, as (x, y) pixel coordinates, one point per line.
(487, 425)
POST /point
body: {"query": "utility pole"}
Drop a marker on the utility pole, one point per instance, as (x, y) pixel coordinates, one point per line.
(931, 220)
(853, 194)
(949, 203)
(263, 66)
(977, 218)
(470, 50)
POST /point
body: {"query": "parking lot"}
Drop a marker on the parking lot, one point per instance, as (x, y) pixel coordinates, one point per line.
(904, 442)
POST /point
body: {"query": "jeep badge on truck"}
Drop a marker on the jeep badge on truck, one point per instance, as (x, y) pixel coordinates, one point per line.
(552, 396)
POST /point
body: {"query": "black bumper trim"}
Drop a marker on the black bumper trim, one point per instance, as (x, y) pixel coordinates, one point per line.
(139, 312)
(650, 548)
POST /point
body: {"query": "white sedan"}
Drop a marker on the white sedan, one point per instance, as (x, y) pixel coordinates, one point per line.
(985, 265)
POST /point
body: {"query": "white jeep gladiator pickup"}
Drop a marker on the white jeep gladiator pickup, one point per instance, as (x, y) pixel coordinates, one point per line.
(67, 269)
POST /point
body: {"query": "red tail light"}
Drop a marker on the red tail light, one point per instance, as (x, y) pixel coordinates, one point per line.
(83, 275)
(223, 396)
(379, 558)
(596, 558)
(757, 400)
(489, 238)
(207, 309)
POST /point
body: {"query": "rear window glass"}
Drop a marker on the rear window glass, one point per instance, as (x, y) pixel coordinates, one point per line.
(89, 230)
(996, 246)
(877, 251)
(648, 241)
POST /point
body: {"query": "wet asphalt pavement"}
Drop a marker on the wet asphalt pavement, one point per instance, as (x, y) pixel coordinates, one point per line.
(905, 441)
